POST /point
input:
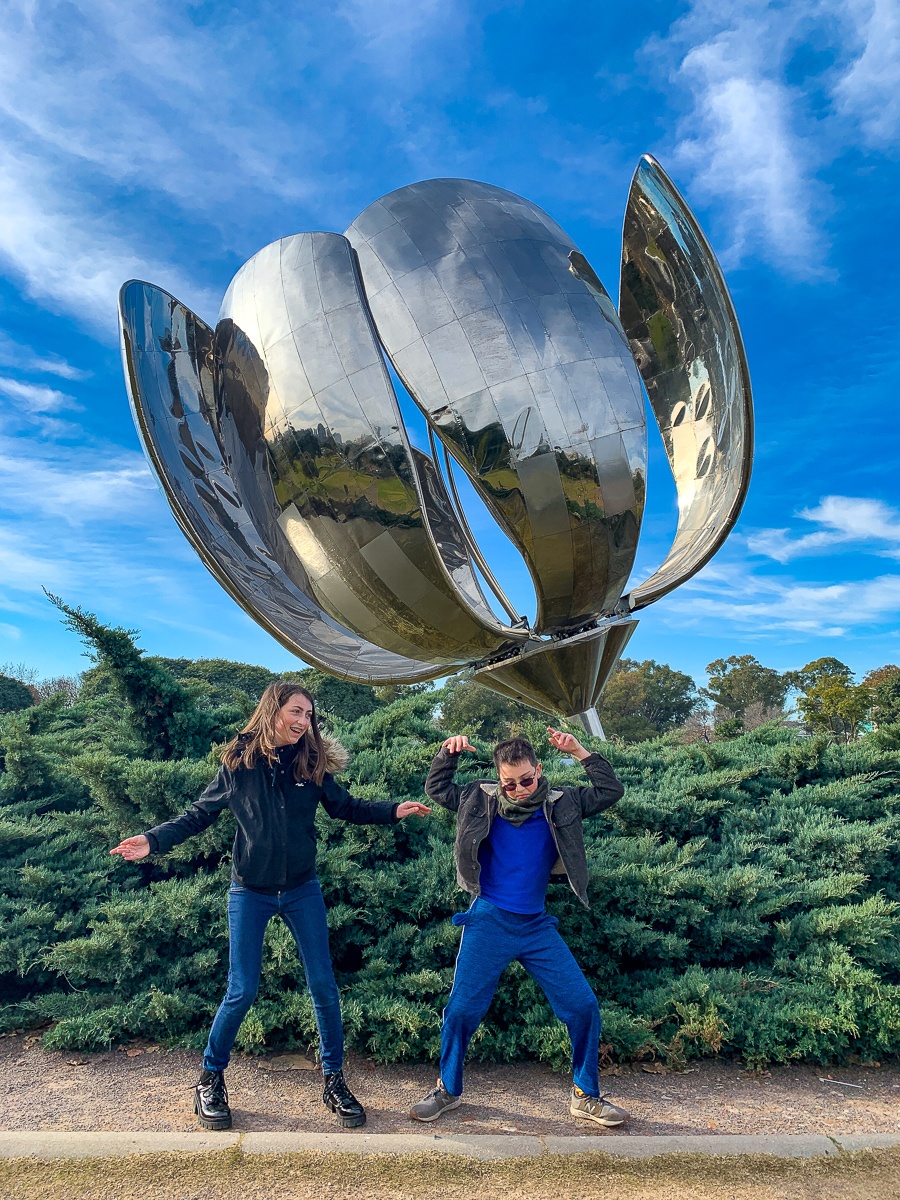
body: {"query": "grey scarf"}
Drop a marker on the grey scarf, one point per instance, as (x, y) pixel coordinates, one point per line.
(518, 811)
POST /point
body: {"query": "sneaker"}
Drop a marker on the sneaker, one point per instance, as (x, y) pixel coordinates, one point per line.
(435, 1103)
(345, 1106)
(211, 1101)
(596, 1108)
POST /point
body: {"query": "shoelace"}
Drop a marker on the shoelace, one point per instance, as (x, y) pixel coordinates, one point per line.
(337, 1090)
(216, 1090)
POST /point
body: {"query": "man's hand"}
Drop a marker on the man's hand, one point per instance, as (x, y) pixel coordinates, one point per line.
(133, 847)
(412, 808)
(567, 743)
(456, 745)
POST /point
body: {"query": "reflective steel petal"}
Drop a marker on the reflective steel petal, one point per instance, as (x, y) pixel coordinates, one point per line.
(223, 503)
(523, 371)
(681, 323)
(307, 389)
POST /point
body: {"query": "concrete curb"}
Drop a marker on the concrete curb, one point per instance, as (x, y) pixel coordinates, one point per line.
(484, 1147)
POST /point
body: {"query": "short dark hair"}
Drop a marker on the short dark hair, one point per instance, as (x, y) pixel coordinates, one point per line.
(515, 750)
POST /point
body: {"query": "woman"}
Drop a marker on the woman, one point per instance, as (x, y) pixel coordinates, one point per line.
(274, 775)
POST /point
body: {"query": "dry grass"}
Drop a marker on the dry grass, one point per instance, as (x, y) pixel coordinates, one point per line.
(231, 1175)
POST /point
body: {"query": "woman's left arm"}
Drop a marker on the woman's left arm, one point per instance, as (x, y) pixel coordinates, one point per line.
(340, 805)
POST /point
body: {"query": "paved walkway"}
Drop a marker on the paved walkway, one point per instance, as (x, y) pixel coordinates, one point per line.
(484, 1147)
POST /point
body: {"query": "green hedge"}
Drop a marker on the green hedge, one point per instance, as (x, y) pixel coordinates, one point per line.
(746, 897)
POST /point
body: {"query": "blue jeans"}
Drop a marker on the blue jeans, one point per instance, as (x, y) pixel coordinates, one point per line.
(303, 911)
(493, 938)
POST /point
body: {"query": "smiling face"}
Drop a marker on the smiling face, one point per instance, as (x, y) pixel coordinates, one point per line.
(293, 720)
(519, 779)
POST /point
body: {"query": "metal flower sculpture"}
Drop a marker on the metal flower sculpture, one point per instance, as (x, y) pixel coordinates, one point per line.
(280, 445)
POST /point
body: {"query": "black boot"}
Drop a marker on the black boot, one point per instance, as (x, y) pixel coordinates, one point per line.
(211, 1101)
(338, 1097)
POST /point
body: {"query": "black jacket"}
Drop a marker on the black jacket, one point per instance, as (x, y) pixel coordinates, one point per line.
(275, 843)
(476, 807)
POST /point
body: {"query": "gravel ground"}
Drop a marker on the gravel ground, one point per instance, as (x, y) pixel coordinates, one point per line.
(141, 1086)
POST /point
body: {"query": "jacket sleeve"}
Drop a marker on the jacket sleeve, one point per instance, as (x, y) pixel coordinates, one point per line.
(604, 789)
(202, 813)
(340, 805)
(439, 785)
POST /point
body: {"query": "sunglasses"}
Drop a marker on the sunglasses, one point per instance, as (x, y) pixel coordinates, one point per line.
(523, 783)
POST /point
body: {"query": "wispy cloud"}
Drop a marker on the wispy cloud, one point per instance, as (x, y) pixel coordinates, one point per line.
(761, 606)
(746, 136)
(23, 358)
(868, 91)
(73, 485)
(844, 520)
(36, 397)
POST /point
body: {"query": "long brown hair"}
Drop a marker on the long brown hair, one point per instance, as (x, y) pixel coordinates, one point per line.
(257, 738)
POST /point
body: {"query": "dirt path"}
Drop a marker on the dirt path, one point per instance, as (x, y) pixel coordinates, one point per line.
(229, 1176)
(142, 1087)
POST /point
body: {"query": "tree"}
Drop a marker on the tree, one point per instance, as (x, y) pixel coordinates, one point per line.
(162, 712)
(741, 680)
(14, 695)
(467, 707)
(645, 699)
(884, 687)
(830, 701)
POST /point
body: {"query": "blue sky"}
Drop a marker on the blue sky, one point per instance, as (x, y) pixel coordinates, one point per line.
(170, 142)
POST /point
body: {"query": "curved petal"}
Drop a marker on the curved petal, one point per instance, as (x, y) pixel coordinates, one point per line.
(523, 371)
(306, 390)
(170, 370)
(685, 337)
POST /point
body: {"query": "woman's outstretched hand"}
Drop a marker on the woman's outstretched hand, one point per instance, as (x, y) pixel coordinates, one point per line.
(567, 743)
(456, 745)
(412, 808)
(133, 847)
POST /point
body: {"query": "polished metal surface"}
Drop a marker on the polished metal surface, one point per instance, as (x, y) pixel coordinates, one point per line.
(281, 448)
(172, 375)
(520, 364)
(681, 323)
(308, 391)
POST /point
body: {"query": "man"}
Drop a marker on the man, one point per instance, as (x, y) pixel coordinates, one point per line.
(511, 837)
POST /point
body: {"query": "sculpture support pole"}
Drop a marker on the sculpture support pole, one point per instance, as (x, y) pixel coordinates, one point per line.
(590, 723)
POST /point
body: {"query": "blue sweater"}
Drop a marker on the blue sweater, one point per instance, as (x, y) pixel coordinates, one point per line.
(516, 861)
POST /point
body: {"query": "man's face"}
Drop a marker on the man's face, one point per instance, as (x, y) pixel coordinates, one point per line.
(519, 779)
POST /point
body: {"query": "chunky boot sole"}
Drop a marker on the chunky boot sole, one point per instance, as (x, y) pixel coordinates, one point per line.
(214, 1123)
(347, 1122)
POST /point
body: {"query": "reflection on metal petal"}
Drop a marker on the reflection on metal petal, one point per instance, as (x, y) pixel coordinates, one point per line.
(306, 385)
(522, 369)
(171, 373)
(679, 318)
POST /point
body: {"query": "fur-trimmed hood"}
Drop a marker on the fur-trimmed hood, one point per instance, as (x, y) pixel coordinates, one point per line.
(336, 756)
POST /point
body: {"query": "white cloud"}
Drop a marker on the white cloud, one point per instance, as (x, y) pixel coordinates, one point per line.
(868, 92)
(746, 137)
(844, 519)
(12, 354)
(76, 485)
(36, 397)
(68, 256)
(760, 605)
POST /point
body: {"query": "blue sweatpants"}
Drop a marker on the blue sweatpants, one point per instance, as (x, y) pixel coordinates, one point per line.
(493, 938)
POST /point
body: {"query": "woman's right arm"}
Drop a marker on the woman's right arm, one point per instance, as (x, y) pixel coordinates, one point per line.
(202, 813)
